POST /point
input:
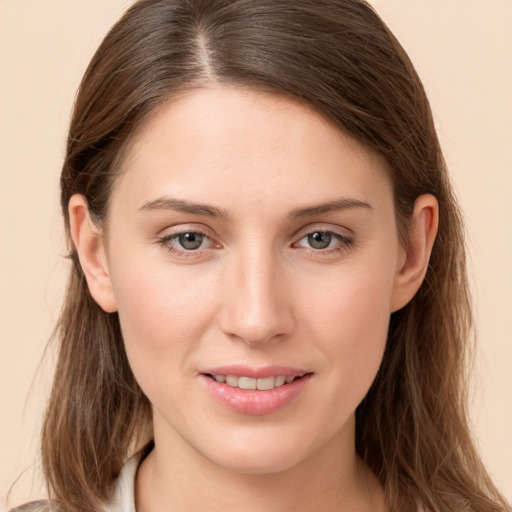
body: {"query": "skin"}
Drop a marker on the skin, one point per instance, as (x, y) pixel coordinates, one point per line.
(256, 293)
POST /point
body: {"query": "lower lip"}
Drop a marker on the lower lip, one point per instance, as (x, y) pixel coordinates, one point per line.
(253, 402)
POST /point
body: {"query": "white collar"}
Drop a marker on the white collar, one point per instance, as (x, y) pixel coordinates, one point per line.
(124, 496)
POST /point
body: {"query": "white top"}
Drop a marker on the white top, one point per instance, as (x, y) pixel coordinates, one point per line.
(124, 496)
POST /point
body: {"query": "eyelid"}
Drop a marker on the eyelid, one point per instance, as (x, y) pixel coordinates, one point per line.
(185, 227)
(344, 232)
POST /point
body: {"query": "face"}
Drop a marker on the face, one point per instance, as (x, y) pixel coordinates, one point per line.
(252, 245)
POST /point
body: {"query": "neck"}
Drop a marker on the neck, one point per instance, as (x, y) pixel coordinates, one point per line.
(175, 477)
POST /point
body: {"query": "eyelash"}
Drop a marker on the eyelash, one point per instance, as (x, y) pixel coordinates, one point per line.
(343, 243)
(170, 243)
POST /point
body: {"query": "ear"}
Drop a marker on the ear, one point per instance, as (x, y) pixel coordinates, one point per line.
(90, 246)
(414, 264)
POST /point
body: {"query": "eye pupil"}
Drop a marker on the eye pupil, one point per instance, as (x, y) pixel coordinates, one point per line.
(190, 241)
(320, 239)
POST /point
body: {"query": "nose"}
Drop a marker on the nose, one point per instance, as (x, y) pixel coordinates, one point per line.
(257, 306)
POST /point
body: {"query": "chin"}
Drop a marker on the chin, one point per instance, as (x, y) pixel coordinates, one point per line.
(258, 464)
(261, 454)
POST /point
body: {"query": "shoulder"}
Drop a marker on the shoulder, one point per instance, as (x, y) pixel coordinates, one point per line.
(36, 506)
(124, 495)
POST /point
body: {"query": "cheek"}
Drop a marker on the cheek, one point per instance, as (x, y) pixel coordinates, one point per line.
(351, 321)
(352, 302)
(154, 297)
(163, 316)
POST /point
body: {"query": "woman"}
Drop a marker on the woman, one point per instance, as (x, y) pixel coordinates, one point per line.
(268, 303)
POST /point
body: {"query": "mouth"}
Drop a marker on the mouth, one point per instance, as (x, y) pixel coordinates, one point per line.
(256, 392)
(252, 383)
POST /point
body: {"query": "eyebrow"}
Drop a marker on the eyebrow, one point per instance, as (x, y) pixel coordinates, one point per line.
(180, 205)
(344, 203)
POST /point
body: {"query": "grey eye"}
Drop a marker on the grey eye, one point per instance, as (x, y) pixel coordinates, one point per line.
(320, 239)
(190, 241)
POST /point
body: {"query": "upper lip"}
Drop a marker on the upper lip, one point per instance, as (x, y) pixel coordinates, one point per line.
(256, 373)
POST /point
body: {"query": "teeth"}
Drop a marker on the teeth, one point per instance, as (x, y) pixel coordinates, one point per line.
(252, 383)
(231, 380)
(267, 383)
(247, 383)
(279, 381)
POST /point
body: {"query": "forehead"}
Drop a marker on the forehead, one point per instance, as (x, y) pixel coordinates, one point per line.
(237, 145)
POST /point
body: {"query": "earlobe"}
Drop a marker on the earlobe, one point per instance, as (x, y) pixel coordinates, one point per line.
(89, 244)
(413, 267)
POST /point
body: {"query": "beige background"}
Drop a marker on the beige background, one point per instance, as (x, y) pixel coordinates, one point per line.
(462, 50)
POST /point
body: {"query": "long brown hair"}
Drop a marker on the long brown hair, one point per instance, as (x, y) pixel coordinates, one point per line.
(340, 58)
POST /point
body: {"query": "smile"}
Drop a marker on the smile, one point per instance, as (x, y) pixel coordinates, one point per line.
(261, 393)
(262, 384)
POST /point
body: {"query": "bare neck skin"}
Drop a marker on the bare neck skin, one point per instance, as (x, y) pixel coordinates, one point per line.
(174, 477)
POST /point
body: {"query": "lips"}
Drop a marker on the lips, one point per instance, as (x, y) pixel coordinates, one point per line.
(255, 391)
